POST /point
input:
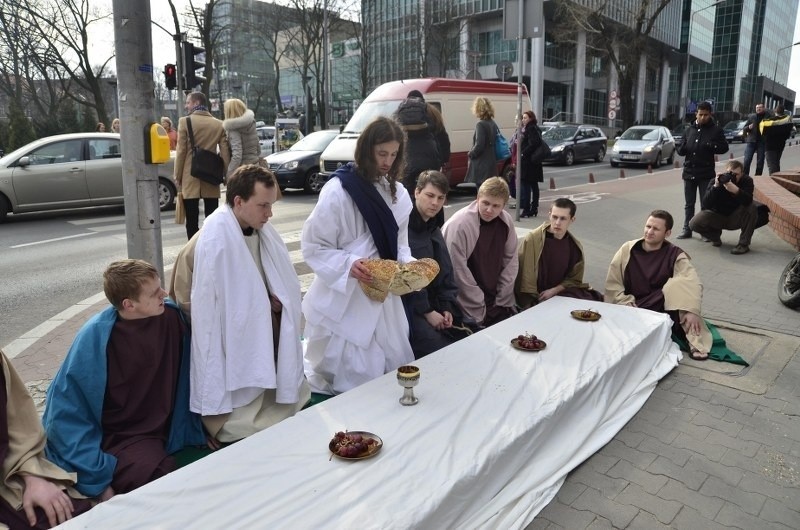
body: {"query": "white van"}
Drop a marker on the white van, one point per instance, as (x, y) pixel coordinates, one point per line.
(453, 97)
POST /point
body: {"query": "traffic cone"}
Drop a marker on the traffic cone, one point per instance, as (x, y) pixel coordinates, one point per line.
(591, 178)
(649, 168)
(552, 183)
(731, 157)
(622, 173)
(677, 164)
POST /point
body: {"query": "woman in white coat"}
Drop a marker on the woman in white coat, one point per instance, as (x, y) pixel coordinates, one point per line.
(240, 127)
(361, 213)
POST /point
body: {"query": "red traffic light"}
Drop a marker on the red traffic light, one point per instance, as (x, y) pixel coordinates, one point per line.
(170, 76)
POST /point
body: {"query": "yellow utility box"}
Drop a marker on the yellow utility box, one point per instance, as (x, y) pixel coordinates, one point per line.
(156, 144)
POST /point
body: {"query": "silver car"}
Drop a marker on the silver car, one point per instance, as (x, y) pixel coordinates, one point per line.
(70, 171)
(644, 144)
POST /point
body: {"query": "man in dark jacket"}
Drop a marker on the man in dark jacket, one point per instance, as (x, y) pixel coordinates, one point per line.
(432, 312)
(776, 130)
(754, 142)
(702, 141)
(728, 205)
(422, 151)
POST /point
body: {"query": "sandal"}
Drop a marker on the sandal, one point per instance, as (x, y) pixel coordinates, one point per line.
(697, 355)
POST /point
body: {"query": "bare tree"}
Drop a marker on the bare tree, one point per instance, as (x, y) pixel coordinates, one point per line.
(305, 49)
(207, 28)
(623, 36)
(62, 29)
(440, 24)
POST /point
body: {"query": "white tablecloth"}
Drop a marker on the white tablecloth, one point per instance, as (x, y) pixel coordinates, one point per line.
(494, 435)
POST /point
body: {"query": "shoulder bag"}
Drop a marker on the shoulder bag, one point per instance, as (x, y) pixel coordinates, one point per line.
(501, 149)
(206, 165)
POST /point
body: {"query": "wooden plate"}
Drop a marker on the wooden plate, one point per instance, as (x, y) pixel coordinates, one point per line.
(515, 344)
(585, 315)
(372, 450)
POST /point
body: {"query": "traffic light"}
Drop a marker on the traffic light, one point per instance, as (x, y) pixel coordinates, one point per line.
(190, 64)
(170, 77)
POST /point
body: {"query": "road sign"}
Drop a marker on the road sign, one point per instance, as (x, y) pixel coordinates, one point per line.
(612, 114)
(612, 94)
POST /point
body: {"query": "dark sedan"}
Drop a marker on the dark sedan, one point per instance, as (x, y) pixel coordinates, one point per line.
(569, 143)
(298, 167)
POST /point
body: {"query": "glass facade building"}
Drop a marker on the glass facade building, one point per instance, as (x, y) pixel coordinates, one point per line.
(734, 54)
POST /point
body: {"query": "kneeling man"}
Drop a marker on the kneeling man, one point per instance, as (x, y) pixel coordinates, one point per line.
(551, 260)
(118, 408)
(654, 274)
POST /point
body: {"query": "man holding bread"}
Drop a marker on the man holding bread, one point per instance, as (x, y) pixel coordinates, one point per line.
(362, 214)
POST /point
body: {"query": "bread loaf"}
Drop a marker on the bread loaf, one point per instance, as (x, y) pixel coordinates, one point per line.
(388, 276)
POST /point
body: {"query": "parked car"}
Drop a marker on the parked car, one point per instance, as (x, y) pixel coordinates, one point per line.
(70, 171)
(299, 166)
(644, 144)
(572, 142)
(266, 139)
(734, 131)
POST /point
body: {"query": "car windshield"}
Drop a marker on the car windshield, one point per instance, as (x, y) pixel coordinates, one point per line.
(317, 141)
(368, 111)
(640, 134)
(560, 133)
(734, 125)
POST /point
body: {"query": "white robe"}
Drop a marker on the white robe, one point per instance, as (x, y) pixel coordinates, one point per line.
(351, 339)
(233, 357)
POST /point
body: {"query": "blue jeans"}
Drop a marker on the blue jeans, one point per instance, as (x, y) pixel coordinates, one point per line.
(750, 148)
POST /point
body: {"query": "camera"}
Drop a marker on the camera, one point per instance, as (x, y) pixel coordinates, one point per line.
(726, 177)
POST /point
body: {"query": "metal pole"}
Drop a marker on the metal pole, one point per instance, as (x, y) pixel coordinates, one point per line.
(133, 42)
(178, 73)
(326, 72)
(518, 172)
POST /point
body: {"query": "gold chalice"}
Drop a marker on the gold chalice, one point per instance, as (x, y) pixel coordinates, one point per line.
(408, 377)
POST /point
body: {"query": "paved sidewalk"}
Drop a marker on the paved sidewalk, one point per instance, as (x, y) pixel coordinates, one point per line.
(715, 446)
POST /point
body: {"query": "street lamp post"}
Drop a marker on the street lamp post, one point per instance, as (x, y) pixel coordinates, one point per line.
(689, 47)
(775, 73)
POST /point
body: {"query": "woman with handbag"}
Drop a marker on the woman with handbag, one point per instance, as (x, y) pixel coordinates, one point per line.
(482, 162)
(240, 126)
(531, 172)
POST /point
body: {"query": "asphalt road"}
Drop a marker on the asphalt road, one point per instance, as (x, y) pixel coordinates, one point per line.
(51, 261)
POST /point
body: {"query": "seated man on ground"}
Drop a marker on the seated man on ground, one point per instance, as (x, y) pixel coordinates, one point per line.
(247, 360)
(654, 274)
(728, 205)
(118, 408)
(432, 311)
(483, 248)
(551, 260)
(34, 493)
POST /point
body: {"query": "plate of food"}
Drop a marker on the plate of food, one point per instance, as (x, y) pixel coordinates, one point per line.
(355, 445)
(585, 314)
(528, 342)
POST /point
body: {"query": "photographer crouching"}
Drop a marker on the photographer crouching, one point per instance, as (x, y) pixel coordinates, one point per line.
(728, 205)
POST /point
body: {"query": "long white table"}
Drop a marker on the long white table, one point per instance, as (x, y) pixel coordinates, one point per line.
(494, 435)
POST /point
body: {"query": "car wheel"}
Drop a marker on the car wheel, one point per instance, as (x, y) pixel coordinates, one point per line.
(601, 154)
(614, 164)
(4, 208)
(569, 157)
(789, 284)
(166, 194)
(657, 161)
(313, 181)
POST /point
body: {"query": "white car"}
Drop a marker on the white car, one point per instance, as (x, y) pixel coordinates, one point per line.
(266, 139)
(644, 144)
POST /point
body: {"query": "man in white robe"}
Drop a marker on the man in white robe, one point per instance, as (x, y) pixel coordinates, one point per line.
(247, 362)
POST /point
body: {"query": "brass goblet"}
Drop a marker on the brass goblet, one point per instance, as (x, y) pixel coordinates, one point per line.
(408, 377)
